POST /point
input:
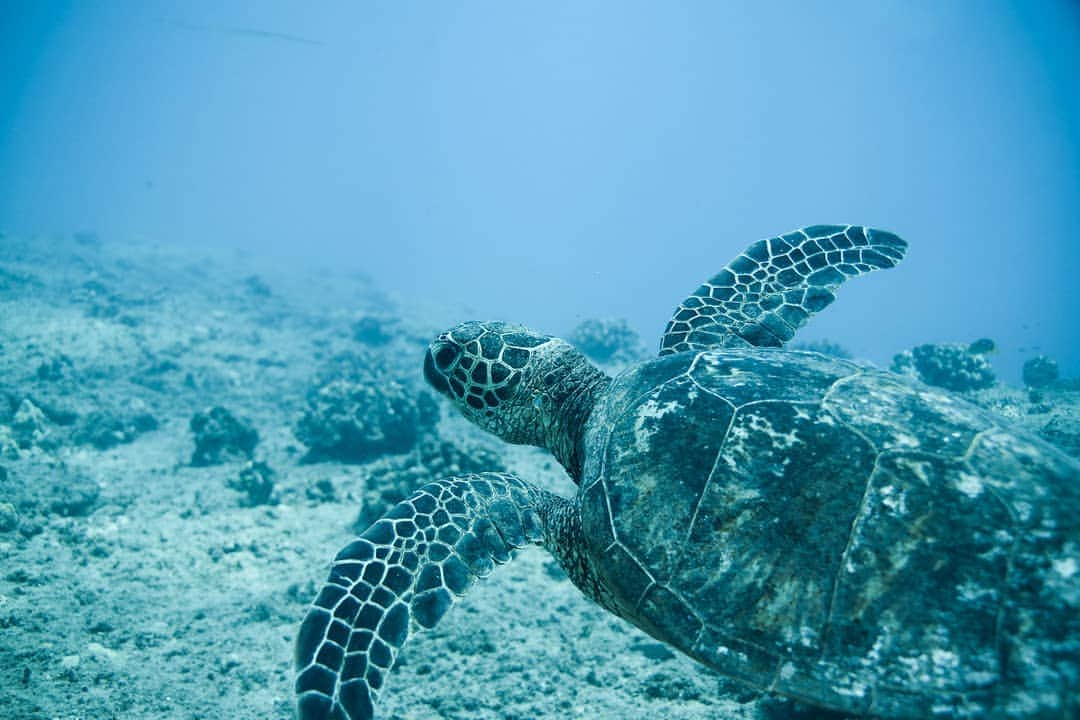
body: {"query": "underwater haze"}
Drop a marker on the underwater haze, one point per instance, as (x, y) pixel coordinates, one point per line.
(548, 162)
(252, 441)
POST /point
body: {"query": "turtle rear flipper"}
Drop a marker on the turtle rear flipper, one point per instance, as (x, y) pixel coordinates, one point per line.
(767, 293)
(402, 575)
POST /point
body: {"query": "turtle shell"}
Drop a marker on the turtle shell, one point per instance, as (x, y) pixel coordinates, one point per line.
(837, 534)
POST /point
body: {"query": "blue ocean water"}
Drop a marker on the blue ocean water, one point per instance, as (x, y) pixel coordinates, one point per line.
(194, 416)
(545, 162)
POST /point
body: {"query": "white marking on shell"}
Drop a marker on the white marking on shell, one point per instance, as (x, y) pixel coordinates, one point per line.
(782, 602)
(899, 554)
(1066, 567)
(970, 485)
(903, 440)
(935, 666)
(944, 659)
(969, 592)
(914, 669)
(853, 691)
(808, 636)
(1063, 582)
(894, 500)
(780, 441)
(874, 654)
(735, 444)
(1023, 510)
(724, 561)
(787, 671)
(736, 492)
(919, 468)
(1002, 540)
(736, 454)
(650, 410)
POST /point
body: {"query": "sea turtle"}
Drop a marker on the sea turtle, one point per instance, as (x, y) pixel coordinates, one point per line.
(809, 526)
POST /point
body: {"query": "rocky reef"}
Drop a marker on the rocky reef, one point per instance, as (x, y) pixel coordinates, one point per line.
(358, 410)
(221, 437)
(256, 481)
(952, 366)
(1040, 372)
(107, 428)
(607, 341)
(375, 330)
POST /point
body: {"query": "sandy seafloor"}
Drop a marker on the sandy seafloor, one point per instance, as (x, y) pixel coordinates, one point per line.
(134, 585)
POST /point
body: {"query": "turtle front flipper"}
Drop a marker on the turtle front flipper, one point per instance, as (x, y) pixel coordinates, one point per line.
(402, 575)
(767, 293)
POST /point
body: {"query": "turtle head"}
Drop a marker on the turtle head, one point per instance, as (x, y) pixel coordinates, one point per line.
(489, 370)
(524, 386)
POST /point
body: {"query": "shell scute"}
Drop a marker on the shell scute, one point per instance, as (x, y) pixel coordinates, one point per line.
(670, 614)
(917, 538)
(896, 415)
(772, 523)
(660, 454)
(743, 376)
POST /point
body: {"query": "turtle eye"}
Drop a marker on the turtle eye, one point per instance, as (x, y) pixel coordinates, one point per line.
(445, 357)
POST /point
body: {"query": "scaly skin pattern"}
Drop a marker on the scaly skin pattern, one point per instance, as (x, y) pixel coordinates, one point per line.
(838, 535)
(406, 570)
(525, 387)
(770, 290)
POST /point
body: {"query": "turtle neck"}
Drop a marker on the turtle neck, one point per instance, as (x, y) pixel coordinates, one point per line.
(569, 396)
